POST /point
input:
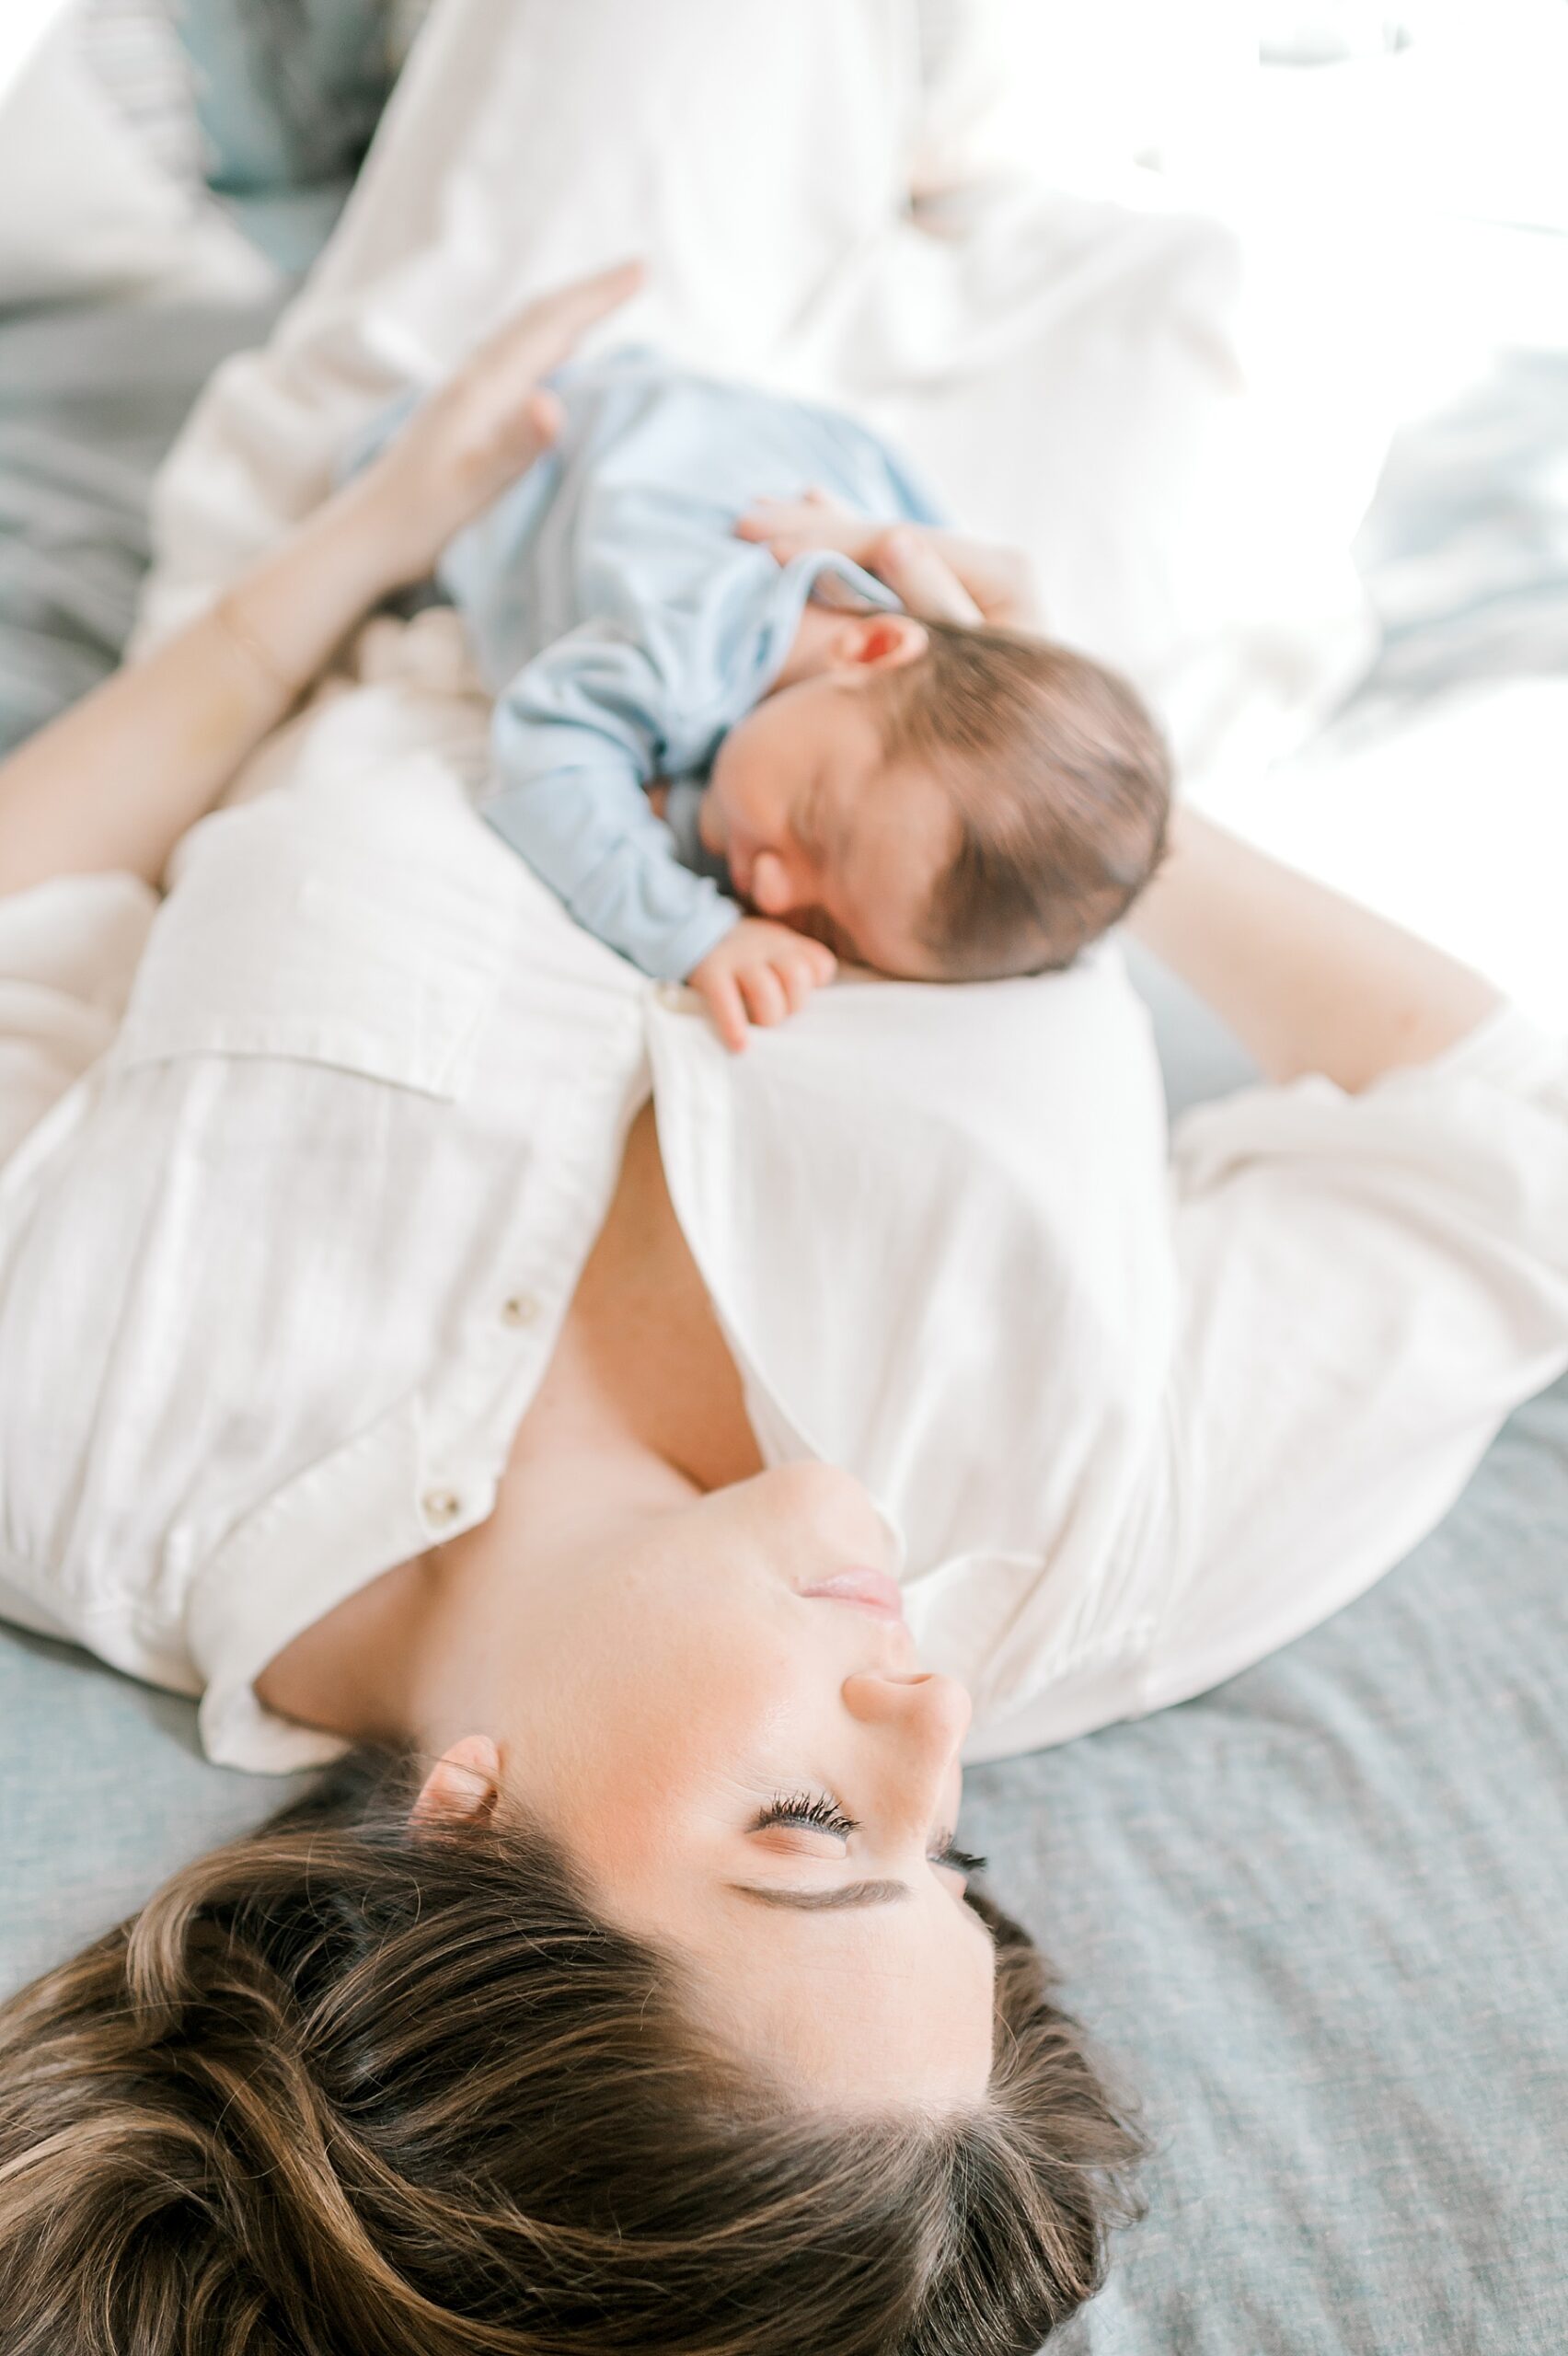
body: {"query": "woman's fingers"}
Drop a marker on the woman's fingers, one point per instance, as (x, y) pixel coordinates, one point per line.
(787, 527)
(485, 426)
(923, 580)
(554, 323)
(547, 413)
(545, 333)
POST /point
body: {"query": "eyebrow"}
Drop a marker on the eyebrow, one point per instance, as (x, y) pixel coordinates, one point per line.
(827, 1901)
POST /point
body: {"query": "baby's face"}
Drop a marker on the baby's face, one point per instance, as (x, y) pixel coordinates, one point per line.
(819, 833)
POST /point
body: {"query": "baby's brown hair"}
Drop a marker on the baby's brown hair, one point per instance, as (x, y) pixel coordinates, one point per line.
(1060, 782)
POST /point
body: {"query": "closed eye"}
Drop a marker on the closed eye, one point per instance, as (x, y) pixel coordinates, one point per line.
(820, 1812)
(808, 1812)
(961, 1861)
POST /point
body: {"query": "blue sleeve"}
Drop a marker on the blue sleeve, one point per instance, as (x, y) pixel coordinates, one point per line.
(578, 738)
(682, 815)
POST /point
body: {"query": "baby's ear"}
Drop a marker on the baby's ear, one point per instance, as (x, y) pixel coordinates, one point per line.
(884, 641)
(463, 1786)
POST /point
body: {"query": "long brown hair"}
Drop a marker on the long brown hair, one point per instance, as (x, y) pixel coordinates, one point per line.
(353, 2088)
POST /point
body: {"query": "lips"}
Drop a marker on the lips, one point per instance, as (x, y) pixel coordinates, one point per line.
(871, 1590)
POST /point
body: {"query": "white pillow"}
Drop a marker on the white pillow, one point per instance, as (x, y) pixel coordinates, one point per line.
(132, 50)
(85, 207)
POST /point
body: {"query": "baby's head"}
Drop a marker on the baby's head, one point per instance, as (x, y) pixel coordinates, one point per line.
(942, 802)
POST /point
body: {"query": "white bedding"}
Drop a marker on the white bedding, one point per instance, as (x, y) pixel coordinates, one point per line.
(1072, 372)
(87, 208)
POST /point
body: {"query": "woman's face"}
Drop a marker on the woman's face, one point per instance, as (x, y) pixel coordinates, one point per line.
(723, 1721)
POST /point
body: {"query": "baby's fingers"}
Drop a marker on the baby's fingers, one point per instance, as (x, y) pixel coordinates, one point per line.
(720, 993)
(767, 999)
(805, 972)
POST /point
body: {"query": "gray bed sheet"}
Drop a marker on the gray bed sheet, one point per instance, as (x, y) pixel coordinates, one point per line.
(1319, 1918)
(91, 399)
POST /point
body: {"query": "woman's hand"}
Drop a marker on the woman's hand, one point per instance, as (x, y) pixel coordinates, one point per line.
(901, 554)
(936, 574)
(792, 527)
(116, 780)
(469, 441)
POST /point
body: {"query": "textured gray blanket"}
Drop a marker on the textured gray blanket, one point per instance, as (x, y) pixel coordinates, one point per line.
(89, 402)
(1320, 1917)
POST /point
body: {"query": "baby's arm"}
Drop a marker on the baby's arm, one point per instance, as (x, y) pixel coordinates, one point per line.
(936, 573)
(576, 742)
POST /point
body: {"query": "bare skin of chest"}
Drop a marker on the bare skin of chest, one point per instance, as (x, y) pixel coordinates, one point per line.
(641, 1360)
(640, 1380)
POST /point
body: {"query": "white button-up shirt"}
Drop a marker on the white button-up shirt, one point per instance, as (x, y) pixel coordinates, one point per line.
(303, 1164)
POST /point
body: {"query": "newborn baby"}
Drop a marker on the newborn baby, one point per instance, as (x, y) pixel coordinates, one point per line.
(737, 766)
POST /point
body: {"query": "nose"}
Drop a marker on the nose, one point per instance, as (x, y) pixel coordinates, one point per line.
(929, 1714)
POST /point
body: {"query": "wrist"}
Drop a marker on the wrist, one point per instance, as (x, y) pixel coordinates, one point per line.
(365, 530)
(294, 609)
(244, 634)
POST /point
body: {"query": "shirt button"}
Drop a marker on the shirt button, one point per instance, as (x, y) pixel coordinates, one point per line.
(519, 1308)
(441, 1506)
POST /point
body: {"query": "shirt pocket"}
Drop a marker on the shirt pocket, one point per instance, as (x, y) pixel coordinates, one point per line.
(292, 934)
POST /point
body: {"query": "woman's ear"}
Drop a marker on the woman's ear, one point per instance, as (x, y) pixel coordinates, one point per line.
(880, 641)
(463, 1786)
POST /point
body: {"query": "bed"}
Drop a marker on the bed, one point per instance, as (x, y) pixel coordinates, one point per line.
(1317, 1917)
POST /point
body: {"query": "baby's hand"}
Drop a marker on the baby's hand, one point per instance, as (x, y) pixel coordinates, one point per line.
(762, 972)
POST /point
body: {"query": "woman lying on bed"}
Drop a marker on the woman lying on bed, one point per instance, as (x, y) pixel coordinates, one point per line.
(627, 1506)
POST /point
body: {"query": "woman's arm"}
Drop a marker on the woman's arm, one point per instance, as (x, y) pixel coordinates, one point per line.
(117, 781)
(1307, 981)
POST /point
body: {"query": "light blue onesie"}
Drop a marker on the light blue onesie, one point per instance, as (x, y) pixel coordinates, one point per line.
(623, 629)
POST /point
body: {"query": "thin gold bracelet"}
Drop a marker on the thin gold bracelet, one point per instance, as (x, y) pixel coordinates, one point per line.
(239, 634)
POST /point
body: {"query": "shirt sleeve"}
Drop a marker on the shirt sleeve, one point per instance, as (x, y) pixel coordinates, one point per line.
(68, 950)
(579, 736)
(1370, 1285)
(520, 149)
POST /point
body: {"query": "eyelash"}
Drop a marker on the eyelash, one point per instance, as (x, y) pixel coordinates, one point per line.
(824, 1814)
